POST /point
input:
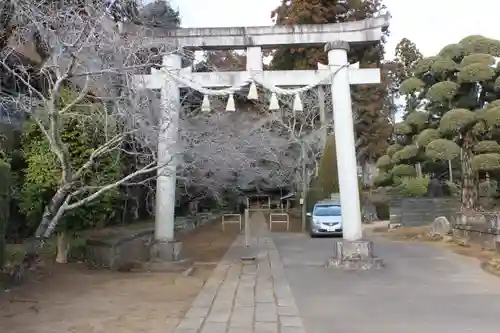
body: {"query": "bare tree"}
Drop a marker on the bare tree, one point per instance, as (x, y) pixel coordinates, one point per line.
(85, 76)
(301, 125)
(307, 131)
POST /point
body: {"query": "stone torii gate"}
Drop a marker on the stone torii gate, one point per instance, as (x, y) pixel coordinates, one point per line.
(336, 38)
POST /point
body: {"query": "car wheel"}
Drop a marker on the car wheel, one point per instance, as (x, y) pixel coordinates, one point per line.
(313, 235)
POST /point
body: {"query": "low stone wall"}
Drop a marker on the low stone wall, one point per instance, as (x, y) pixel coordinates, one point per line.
(123, 247)
(415, 212)
(480, 228)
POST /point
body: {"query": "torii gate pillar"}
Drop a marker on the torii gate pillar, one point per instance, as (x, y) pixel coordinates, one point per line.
(352, 252)
(344, 140)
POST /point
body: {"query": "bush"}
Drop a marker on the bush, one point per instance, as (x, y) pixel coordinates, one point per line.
(454, 188)
(382, 179)
(403, 170)
(42, 172)
(413, 187)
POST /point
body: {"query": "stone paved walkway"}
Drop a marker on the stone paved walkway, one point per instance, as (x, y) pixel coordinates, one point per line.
(245, 296)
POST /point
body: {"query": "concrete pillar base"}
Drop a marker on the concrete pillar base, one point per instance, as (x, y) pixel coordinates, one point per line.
(354, 255)
(167, 256)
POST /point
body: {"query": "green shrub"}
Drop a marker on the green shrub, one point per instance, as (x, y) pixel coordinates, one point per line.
(82, 133)
(413, 187)
(403, 170)
(382, 179)
(454, 188)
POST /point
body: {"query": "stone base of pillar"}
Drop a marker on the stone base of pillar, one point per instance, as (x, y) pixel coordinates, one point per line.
(166, 256)
(354, 255)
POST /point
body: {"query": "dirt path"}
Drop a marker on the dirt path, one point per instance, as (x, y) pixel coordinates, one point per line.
(71, 298)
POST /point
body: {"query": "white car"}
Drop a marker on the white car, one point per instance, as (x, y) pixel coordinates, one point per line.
(326, 219)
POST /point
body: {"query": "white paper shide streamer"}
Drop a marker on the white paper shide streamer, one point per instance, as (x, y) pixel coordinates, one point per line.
(297, 103)
(231, 106)
(252, 93)
(273, 103)
(205, 106)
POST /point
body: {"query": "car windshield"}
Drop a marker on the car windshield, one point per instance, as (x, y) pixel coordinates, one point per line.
(327, 210)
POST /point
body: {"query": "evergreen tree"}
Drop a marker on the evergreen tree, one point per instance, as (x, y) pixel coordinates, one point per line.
(370, 102)
(327, 181)
(460, 88)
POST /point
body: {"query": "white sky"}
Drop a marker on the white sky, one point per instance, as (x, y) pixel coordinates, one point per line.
(431, 24)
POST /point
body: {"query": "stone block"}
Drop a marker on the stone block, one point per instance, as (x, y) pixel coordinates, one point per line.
(441, 226)
(290, 329)
(266, 327)
(354, 255)
(190, 323)
(219, 316)
(214, 328)
(166, 256)
(288, 311)
(197, 312)
(266, 312)
(290, 321)
(264, 296)
(166, 250)
(119, 249)
(240, 330)
(242, 317)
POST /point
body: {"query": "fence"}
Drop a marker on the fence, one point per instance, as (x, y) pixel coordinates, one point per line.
(231, 219)
(482, 228)
(279, 218)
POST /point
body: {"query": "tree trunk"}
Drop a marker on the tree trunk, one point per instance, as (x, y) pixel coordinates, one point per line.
(62, 248)
(47, 225)
(469, 179)
(419, 170)
(450, 171)
(369, 170)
